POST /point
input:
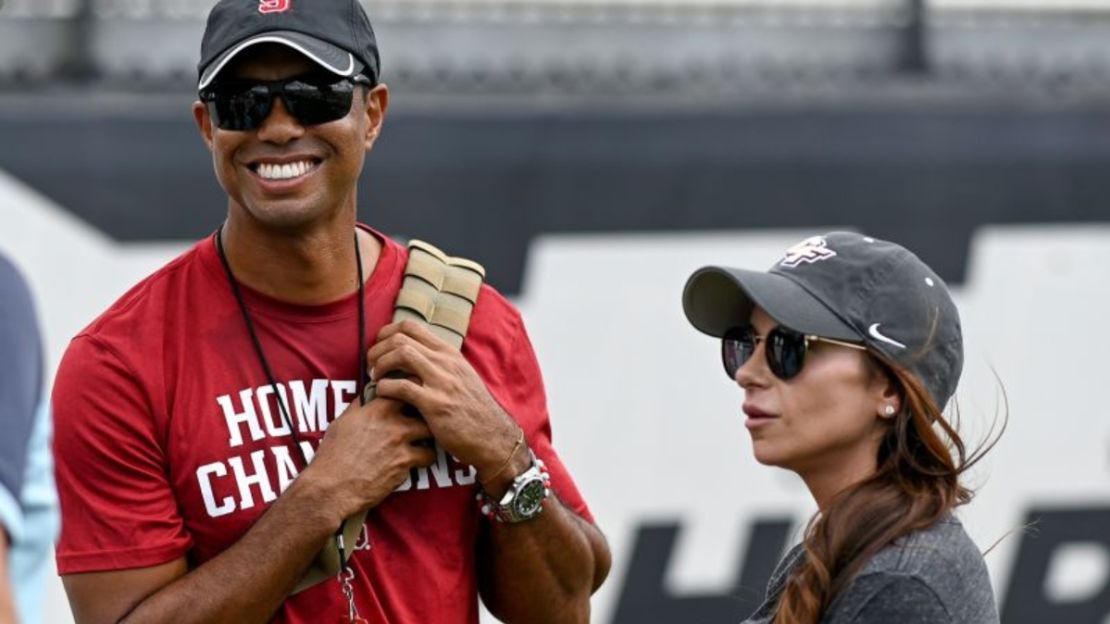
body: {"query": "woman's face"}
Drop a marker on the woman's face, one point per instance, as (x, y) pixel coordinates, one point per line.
(829, 417)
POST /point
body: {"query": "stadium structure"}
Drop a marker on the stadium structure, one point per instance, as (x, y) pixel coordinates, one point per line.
(608, 115)
(590, 153)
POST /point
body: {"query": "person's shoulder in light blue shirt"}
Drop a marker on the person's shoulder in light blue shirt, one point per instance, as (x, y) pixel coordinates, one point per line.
(28, 503)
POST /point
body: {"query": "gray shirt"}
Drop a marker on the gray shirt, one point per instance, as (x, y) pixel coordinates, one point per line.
(935, 576)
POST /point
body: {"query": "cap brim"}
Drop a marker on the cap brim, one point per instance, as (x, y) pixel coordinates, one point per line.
(717, 299)
(330, 57)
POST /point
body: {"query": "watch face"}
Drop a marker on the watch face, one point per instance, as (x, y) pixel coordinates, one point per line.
(529, 498)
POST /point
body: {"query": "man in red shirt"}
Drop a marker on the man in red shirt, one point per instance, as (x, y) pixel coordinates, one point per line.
(187, 414)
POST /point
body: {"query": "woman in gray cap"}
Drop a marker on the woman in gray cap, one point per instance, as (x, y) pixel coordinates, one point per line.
(847, 349)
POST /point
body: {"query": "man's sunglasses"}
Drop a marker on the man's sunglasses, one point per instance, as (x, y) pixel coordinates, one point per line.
(785, 349)
(244, 105)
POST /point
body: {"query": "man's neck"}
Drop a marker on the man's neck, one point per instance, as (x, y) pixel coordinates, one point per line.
(310, 266)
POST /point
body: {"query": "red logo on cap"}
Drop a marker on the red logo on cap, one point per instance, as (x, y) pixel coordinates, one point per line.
(273, 6)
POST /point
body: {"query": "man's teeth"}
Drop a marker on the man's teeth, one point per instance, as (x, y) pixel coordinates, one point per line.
(286, 171)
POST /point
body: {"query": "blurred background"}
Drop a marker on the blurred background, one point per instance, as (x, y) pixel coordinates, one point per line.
(592, 154)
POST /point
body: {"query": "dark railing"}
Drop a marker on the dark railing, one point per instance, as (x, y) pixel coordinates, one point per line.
(518, 46)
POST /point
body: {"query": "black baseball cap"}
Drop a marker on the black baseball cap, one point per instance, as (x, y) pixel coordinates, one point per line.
(336, 34)
(849, 287)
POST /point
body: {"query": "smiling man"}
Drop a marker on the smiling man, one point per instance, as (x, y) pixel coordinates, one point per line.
(209, 430)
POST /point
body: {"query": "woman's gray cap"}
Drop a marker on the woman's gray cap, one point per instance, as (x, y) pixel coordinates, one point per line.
(846, 286)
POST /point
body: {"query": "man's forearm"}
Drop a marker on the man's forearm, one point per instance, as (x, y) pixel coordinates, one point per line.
(544, 569)
(249, 581)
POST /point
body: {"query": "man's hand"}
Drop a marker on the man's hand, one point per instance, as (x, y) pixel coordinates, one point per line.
(539, 571)
(367, 453)
(454, 401)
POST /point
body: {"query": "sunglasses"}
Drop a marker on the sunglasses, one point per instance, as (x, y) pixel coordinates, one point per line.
(785, 349)
(244, 104)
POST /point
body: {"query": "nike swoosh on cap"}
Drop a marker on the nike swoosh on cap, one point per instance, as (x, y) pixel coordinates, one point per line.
(874, 331)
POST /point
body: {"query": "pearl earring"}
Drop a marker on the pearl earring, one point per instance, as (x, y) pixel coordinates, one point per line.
(888, 410)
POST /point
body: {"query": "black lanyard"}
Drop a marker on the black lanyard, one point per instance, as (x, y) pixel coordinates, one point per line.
(262, 354)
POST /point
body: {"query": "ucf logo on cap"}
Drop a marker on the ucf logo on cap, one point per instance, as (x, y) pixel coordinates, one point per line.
(813, 249)
(273, 6)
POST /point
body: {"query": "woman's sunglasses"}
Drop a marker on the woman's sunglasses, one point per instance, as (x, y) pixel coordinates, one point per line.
(785, 349)
(244, 105)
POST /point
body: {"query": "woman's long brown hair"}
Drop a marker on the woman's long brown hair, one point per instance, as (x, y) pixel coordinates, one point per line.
(920, 461)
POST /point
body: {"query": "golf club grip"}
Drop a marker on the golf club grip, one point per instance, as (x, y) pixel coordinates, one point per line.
(440, 292)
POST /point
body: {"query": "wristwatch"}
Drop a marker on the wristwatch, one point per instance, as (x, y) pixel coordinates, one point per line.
(525, 497)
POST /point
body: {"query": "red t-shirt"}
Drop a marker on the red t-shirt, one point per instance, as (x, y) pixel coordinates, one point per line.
(169, 441)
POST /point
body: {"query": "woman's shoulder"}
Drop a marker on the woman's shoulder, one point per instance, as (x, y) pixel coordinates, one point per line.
(938, 568)
(941, 549)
